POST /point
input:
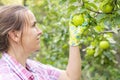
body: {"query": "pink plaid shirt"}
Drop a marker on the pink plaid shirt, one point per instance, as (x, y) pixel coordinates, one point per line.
(10, 69)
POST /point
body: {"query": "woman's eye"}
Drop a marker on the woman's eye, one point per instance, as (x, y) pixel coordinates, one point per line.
(34, 25)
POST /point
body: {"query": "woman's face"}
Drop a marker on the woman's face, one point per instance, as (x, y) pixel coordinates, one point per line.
(31, 34)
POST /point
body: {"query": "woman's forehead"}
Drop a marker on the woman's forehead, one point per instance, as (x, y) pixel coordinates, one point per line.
(31, 17)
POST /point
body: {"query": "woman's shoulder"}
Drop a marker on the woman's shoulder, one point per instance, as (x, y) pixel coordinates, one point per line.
(3, 63)
(4, 67)
(5, 71)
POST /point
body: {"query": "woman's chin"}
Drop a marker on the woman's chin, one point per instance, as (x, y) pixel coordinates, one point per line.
(38, 48)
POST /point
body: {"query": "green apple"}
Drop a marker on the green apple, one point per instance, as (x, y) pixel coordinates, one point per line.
(90, 52)
(106, 8)
(104, 44)
(78, 20)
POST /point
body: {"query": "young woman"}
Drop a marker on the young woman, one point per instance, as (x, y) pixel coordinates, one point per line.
(19, 38)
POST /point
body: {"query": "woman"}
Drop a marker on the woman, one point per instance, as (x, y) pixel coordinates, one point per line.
(19, 37)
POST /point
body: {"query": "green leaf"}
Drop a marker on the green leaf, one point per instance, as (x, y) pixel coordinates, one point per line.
(100, 17)
(71, 1)
(98, 51)
(118, 11)
(107, 21)
(83, 10)
(71, 8)
(62, 2)
(109, 55)
(117, 20)
(91, 6)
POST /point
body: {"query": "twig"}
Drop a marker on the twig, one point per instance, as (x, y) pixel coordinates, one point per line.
(94, 11)
(111, 31)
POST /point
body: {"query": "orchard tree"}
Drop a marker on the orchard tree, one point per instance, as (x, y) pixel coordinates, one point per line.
(99, 21)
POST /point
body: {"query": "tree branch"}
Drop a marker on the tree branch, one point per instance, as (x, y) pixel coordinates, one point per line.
(111, 31)
(94, 11)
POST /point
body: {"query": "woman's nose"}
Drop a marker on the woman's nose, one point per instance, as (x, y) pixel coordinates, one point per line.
(39, 31)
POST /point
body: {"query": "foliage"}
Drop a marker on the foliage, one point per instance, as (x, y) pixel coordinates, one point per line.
(101, 25)
(9, 2)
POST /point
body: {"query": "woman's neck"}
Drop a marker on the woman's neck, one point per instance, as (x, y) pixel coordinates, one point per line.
(19, 55)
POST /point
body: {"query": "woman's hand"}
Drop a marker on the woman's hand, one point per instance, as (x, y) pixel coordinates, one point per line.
(74, 37)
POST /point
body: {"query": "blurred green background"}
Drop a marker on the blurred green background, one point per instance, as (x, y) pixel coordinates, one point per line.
(103, 24)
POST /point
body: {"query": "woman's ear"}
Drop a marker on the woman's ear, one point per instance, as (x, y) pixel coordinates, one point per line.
(14, 35)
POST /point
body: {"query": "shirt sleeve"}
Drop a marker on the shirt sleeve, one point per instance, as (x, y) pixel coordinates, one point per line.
(46, 71)
(53, 72)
